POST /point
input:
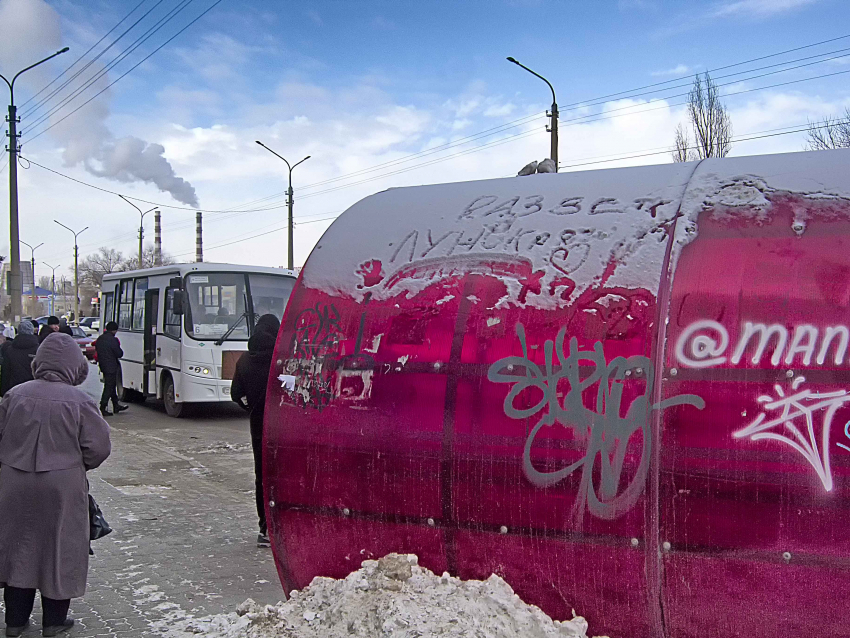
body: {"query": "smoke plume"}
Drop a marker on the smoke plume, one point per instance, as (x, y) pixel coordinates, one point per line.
(31, 31)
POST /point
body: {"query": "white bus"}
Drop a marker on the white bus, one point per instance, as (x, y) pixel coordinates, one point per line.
(183, 327)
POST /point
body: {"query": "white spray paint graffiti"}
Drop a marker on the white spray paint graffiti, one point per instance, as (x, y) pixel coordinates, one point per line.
(802, 439)
(704, 344)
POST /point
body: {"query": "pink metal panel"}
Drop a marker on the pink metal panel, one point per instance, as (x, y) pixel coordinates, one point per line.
(540, 377)
(754, 487)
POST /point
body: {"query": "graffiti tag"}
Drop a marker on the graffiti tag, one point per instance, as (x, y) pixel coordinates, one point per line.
(604, 429)
(802, 437)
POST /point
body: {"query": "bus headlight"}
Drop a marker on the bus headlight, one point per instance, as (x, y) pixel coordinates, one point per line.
(196, 369)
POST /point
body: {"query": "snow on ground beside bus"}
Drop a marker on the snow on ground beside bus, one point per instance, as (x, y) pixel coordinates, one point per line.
(392, 596)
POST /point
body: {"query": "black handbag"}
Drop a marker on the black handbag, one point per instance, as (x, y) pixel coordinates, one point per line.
(98, 527)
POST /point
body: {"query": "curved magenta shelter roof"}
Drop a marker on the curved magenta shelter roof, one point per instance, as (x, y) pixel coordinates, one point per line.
(624, 391)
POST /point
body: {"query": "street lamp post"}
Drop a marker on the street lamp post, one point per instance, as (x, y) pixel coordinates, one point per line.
(52, 288)
(76, 269)
(33, 296)
(291, 260)
(553, 129)
(15, 285)
(141, 226)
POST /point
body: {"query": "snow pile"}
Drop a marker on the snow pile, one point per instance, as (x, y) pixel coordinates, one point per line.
(394, 597)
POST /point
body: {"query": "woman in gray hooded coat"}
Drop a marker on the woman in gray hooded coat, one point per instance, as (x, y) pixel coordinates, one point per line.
(51, 433)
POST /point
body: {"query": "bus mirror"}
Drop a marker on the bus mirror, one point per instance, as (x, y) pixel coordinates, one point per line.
(177, 302)
(176, 283)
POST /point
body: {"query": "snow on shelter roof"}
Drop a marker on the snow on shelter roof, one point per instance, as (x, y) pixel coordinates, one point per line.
(610, 224)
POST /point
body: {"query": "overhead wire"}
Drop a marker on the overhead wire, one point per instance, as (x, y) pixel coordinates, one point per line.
(750, 137)
(88, 64)
(520, 121)
(161, 23)
(566, 123)
(234, 211)
(132, 68)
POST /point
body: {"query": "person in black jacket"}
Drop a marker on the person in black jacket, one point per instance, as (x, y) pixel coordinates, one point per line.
(49, 328)
(249, 384)
(18, 354)
(108, 353)
(65, 328)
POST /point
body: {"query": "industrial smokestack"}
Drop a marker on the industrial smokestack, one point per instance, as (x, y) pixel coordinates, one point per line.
(199, 238)
(157, 239)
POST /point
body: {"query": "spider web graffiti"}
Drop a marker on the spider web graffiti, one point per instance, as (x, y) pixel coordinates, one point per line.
(802, 437)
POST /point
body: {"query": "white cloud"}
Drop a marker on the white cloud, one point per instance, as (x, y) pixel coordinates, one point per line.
(679, 69)
(757, 8)
(313, 15)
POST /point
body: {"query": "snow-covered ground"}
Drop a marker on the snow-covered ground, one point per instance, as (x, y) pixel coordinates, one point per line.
(392, 596)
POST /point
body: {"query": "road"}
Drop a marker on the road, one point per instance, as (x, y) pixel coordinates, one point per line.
(179, 495)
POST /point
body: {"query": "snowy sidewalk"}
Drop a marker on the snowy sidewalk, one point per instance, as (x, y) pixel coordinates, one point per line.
(179, 494)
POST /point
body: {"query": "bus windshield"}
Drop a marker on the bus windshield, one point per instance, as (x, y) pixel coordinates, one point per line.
(220, 302)
(217, 302)
(270, 293)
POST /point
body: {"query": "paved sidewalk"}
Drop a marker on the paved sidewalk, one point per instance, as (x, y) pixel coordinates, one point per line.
(179, 495)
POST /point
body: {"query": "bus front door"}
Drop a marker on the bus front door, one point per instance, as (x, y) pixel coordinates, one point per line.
(151, 326)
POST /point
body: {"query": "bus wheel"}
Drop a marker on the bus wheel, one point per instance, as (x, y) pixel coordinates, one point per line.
(172, 408)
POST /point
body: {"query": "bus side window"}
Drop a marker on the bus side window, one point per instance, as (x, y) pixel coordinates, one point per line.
(172, 321)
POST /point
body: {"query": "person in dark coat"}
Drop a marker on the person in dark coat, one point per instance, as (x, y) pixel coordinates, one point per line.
(49, 328)
(18, 354)
(64, 328)
(108, 353)
(249, 384)
(50, 435)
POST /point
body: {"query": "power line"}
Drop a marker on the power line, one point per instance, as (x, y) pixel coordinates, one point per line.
(91, 48)
(114, 62)
(206, 11)
(752, 136)
(572, 122)
(719, 68)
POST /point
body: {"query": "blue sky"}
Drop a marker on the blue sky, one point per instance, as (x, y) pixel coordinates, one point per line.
(359, 84)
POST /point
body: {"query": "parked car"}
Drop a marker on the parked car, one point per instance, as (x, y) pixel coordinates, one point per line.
(91, 325)
(85, 342)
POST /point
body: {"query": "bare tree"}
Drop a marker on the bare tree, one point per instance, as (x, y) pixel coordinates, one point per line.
(710, 122)
(683, 151)
(831, 132)
(148, 260)
(103, 262)
(45, 281)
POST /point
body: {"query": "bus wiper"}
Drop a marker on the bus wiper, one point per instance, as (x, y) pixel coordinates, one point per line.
(223, 337)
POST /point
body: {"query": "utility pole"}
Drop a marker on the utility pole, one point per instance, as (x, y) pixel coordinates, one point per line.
(52, 288)
(289, 203)
(15, 285)
(76, 269)
(141, 227)
(33, 296)
(553, 114)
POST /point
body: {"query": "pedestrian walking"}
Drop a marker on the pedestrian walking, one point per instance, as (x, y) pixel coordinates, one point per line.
(49, 328)
(17, 356)
(50, 435)
(249, 384)
(108, 354)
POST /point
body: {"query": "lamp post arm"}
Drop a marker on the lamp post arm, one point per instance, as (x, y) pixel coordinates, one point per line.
(276, 154)
(297, 163)
(551, 88)
(63, 226)
(32, 66)
(131, 204)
